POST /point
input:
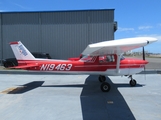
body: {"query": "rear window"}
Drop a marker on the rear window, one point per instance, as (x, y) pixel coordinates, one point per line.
(41, 55)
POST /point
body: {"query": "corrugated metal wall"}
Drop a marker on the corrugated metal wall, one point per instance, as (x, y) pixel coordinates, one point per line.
(63, 34)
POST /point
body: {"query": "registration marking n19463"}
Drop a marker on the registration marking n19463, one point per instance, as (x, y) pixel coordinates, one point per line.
(58, 67)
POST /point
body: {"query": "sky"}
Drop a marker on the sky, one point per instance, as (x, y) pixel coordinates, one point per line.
(134, 17)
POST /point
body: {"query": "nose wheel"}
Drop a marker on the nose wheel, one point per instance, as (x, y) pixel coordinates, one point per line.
(132, 81)
(105, 87)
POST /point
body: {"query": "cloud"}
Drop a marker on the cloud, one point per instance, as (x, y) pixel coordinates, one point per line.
(144, 27)
(159, 24)
(20, 6)
(125, 29)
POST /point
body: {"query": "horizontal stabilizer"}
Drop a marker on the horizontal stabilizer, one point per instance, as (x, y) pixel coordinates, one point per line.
(25, 66)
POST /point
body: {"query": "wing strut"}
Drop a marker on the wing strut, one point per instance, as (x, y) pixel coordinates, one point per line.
(118, 63)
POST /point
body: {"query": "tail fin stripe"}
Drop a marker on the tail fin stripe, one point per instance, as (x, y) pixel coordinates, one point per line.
(11, 43)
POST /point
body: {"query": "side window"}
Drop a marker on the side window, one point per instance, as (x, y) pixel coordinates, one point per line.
(106, 59)
(113, 58)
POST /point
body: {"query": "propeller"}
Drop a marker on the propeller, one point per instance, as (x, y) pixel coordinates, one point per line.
(143, 52)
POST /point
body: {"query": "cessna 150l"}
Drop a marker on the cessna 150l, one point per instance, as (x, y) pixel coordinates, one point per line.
(103, 59)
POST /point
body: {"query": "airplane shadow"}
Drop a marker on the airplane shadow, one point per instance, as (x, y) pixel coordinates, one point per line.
(26, 87)
(97, 105)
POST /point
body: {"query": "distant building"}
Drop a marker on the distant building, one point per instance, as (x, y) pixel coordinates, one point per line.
(62, 34)
(130, 52)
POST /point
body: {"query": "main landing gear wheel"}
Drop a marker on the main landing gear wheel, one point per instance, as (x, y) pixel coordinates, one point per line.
(105, 87)
(132, 82)
(102, 78)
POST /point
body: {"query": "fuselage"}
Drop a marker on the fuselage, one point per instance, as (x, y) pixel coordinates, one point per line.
(94, 65)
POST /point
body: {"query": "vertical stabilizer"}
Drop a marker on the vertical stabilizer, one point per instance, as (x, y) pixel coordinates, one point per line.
(20, 51)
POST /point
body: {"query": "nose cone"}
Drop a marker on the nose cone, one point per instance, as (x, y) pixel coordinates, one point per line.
(145, 62)
(141, 62)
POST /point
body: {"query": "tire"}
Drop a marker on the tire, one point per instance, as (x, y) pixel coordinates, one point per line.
(105, 87)
(8, 64)
(132, 82)
(102, 78)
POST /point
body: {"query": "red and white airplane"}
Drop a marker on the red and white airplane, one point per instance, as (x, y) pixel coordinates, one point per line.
(103, 59)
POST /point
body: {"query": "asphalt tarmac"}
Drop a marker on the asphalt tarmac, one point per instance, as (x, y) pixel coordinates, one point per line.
(31, 96)
(78, 97)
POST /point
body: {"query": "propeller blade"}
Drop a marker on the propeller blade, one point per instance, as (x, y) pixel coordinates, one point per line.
(143, 54)
(144, 66)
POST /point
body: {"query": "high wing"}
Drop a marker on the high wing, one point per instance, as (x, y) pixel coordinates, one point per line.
(117, 46)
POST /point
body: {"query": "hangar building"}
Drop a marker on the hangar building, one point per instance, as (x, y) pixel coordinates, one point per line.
(62, 34)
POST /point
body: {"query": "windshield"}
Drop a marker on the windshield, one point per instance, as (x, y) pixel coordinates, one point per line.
(122, 57)
(88, 58)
